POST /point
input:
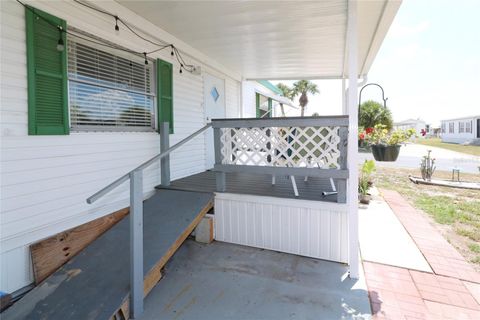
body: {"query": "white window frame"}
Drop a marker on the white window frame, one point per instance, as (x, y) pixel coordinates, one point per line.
(461, 127)
(468, 127)
(451, 127)
(129, 56)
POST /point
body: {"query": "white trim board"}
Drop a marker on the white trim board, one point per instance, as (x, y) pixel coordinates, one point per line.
(298, 203)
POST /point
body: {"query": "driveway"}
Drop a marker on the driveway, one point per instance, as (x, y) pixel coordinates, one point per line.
(411, 154)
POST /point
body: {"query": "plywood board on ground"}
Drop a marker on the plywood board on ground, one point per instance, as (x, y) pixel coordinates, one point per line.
(50, 254)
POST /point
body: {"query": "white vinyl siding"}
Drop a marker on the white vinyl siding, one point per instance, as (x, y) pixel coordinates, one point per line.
(46, 179)
(232, 92)
(308, 228)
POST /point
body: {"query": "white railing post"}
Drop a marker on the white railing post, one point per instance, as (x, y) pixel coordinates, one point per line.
(342, 161)
(220, 176)
(352, 194)
(136, 243)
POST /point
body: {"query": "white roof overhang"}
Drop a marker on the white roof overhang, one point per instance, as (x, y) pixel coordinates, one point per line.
(274, 39)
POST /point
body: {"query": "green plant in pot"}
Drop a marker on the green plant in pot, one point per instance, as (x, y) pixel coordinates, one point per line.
(386, 144)
(365, 181)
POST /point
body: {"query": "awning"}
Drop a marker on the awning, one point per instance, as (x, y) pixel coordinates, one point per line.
(274, 39)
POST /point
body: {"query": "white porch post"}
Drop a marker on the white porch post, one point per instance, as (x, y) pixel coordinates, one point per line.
(352, 198)
(344, 97)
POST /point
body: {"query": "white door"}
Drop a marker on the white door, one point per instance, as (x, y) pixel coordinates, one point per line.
(214, 95)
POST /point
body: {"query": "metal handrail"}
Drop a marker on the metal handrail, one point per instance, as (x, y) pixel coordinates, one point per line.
(144, 165)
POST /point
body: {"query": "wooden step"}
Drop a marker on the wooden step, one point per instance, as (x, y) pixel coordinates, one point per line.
(95, 283)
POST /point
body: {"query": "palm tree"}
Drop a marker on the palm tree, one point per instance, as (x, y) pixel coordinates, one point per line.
(287, 92)
(303, 88)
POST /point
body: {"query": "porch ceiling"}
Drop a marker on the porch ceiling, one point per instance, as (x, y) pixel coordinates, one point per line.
(274, 39)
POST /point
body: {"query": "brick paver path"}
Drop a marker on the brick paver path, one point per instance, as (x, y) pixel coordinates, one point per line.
(451, 292)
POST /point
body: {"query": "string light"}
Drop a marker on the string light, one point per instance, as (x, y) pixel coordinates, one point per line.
(117, 29)
(60, 43)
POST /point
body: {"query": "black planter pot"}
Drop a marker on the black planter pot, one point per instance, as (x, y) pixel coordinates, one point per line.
(385, 153)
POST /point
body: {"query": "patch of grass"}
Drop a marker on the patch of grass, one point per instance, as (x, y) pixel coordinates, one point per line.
(446, 210)
(469, 233)
(476, 260)
(440, 208)
(474, 247)
(436, 142)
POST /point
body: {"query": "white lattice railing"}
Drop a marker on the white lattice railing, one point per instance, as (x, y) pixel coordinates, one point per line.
(281, 146)
(283, 142)
(309, 146)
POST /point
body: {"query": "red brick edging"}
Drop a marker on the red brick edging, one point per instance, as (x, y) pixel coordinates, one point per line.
(399, 293)
(442, 257)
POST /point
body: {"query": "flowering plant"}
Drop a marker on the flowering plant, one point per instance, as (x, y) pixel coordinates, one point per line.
(379, 135)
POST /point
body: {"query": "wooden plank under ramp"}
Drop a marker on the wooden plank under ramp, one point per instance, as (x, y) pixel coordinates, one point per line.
(51, 253)
(95, 284)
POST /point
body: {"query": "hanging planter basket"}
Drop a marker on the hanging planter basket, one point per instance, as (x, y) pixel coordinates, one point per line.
(385, 153)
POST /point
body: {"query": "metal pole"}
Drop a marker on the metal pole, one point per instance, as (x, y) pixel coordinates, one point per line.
(136, 244)
(165, 161)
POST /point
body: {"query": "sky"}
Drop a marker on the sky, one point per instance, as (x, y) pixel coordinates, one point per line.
(428, 65)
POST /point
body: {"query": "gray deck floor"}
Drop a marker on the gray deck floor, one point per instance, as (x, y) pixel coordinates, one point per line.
(258, 184)
(226, 281)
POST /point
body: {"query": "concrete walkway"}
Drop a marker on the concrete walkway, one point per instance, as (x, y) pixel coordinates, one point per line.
(411, 154)
(452, 291)
(383, 239)
(440, 254)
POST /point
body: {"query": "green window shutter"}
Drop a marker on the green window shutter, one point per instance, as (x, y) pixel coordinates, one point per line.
(47, 75)
(165, 92)
(257, 104)
(269, 108)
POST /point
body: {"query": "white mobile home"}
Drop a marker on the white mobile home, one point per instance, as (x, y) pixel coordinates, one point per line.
(461, 130)
(417, 124)
(148, 94)
(263, 99)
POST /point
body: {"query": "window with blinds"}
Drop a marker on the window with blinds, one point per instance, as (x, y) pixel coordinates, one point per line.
(109, 92)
